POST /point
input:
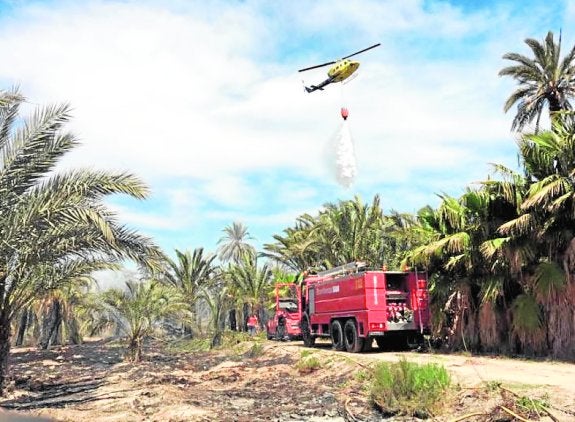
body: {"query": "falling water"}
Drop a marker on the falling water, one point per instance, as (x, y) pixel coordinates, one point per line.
(345, 156)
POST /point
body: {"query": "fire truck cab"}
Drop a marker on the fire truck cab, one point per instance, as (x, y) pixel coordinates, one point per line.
(285, 324)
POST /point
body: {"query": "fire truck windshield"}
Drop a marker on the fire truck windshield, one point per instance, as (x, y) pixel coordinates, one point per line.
(289, 305)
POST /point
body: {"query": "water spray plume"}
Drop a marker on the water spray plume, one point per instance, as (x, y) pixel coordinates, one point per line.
(345, 155)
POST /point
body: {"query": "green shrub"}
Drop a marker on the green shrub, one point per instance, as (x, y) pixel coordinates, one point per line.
(361, 376)
(493, 385)
(305, 353)
(408, 388)
(307, 364)
(255, 351)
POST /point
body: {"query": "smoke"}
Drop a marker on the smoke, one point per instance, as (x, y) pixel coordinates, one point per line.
(345, 156)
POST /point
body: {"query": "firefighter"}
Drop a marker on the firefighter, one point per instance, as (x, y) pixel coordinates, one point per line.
(282, 326)
(252, 324)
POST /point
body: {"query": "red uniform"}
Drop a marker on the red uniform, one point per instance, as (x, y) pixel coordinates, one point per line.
(253, 321)
(252, 324)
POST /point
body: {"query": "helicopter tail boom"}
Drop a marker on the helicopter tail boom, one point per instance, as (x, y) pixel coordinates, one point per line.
(320, 86)
(312, 88)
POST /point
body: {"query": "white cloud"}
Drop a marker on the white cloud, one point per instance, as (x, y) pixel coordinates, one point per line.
(229, 190)
(152, 220)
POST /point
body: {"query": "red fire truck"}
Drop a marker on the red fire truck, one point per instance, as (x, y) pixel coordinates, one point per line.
(354, 305)
(285, 324)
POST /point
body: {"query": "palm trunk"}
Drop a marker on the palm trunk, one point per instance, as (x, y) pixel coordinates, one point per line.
(554, 110)
(233, 320)
(134, 353)
(493, 329)
(216, 339)
(187, 330)
(34, 321)
(246, 314)
(261, 313)
(51, 322)
(560, 318)
(22, 327)
(56, 338)
(219, 327)
(74, 332)
(4, 348)
(462, 329)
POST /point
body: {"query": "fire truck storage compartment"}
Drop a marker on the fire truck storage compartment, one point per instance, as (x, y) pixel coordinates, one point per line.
(398, 302)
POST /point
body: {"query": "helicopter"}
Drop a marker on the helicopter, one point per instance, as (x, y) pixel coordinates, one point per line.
(340, 71)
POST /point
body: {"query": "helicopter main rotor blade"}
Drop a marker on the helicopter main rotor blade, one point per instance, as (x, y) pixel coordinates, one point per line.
(316, 66)
(361, 51)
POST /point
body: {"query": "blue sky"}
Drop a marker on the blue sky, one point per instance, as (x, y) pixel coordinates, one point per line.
(203, 100)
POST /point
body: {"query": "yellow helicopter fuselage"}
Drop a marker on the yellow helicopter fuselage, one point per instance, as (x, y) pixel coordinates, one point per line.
(342, 70)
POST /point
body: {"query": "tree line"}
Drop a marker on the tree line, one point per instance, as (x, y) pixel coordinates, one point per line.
(500, 256)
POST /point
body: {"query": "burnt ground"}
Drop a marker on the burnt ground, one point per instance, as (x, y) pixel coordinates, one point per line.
(253, 383)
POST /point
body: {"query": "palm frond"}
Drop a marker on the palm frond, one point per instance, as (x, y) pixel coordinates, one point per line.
(518, 226)
(492, 247)
(545, 191)
(549, 278)
(527, 316)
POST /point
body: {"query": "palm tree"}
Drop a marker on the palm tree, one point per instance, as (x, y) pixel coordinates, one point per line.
(251, 284)
(217, 298)
(138, 308)
(342, 232)
(546, 219)
(469, 279)
(52, 220)
(351, 230)
(189, 273)
(544, 80)
(234, 243)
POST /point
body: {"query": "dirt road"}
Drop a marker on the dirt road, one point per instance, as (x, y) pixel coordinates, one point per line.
(249, 383)
(557, 378)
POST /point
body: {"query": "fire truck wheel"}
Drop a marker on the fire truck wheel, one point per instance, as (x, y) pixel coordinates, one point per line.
(353, 342)
(337, 338)
(308, 339)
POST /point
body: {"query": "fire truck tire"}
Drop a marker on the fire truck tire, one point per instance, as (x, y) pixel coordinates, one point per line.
(308, 339)
(337, 338)
(353, 342)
